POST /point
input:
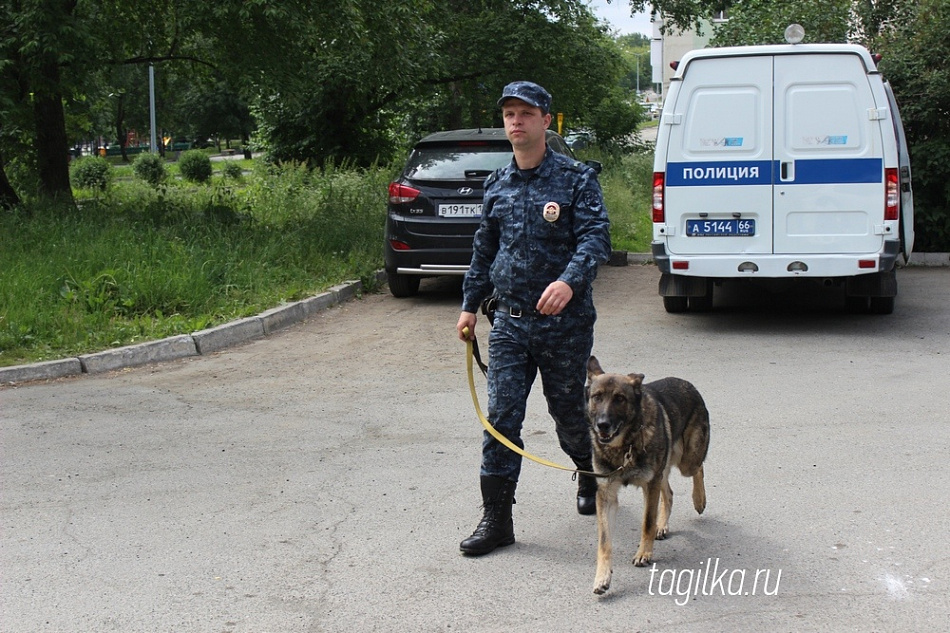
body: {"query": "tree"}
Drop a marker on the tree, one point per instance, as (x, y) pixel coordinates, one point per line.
(556, 43)
(38, 38)
(212, 109)
(356, 64)
(348, 80)
(635, 49)
(913, 40)
(681, 14)
(444, 68)
(764, 22)
(52, 50)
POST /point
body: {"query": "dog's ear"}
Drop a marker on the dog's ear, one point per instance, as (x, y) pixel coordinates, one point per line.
(636, 380)
(593, 367)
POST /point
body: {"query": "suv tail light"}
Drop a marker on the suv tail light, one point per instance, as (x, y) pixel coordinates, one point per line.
(400, 194)
(892, 194)
(659, 179)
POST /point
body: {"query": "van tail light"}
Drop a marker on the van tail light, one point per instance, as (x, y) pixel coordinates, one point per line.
(400, 194)
(892, 194)
(659, 178)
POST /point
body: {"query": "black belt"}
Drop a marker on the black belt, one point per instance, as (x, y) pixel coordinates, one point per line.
(514, 313)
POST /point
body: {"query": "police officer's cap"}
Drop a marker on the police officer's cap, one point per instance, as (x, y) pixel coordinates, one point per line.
(529, 93)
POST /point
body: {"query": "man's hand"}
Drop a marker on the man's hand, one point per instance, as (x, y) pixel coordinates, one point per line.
(555, 298)
(466, 320)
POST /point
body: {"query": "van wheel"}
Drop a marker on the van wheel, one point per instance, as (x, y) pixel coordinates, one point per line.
(403, 285)
(676, 304)
(882, 305)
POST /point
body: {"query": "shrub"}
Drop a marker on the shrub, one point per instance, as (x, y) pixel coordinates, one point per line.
(233, 170)
(150, 168)
(194, 165)
(92, 172)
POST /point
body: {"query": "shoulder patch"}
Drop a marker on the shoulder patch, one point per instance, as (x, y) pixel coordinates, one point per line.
(578, 166)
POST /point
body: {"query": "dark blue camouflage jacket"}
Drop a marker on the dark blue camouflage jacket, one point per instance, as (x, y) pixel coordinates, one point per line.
(525, 242)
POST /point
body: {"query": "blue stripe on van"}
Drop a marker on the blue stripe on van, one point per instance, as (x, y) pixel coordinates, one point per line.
(822, 171)
(830, 171)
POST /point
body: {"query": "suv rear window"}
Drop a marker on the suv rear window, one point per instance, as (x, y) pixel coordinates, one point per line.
(456, 162)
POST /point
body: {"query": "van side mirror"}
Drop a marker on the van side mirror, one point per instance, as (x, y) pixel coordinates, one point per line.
(595, 165)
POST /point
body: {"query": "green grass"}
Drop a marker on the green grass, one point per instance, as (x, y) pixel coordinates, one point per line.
(628, 190)
(136, 264)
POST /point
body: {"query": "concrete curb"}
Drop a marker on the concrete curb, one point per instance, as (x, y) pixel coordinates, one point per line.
(199, 343)
(929, 259)
(41, 371)
(141, 354)
(218, 338)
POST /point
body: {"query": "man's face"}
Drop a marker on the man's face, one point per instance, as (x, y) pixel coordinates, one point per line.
(525, 124)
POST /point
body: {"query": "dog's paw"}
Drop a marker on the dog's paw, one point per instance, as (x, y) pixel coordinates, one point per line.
(601, 586)
(642, 559)
(699, 501)
(602, 578)
(662, 532)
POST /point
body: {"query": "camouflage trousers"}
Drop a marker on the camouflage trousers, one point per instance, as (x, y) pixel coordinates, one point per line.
(519, 348)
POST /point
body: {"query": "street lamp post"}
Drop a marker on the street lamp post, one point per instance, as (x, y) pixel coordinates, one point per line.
(151, 108)
(638, 74)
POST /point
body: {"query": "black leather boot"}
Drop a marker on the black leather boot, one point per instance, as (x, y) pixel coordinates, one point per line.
(586, 489)
(496, 529)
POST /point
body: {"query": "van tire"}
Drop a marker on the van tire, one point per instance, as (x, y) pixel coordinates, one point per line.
(674, 305)
(403, 285)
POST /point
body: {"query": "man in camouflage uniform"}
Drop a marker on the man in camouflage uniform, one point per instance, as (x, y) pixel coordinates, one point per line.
(544, 232)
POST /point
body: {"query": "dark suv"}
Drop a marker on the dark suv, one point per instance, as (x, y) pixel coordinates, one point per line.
(435, 206)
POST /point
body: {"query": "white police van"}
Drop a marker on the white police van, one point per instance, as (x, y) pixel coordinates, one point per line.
(781, 162)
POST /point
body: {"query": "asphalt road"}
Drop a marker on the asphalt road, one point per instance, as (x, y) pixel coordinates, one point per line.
(320, 479)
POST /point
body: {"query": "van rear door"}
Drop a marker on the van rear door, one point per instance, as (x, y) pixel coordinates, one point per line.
(719, 159)
(829, 189)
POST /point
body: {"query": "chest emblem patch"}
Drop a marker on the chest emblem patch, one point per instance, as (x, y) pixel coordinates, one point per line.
(552, 211)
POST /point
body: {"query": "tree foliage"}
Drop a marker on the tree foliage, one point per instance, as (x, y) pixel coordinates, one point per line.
(635, 50)
(447, 72)
(347, 80)
(764, 22)
(913, 40)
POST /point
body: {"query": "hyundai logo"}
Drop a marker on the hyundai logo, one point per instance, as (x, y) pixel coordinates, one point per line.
(465, 191)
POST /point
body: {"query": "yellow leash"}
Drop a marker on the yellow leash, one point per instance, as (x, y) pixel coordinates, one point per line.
(491, 429)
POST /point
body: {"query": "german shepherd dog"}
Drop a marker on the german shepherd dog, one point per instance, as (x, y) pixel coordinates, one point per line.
(639, 431)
